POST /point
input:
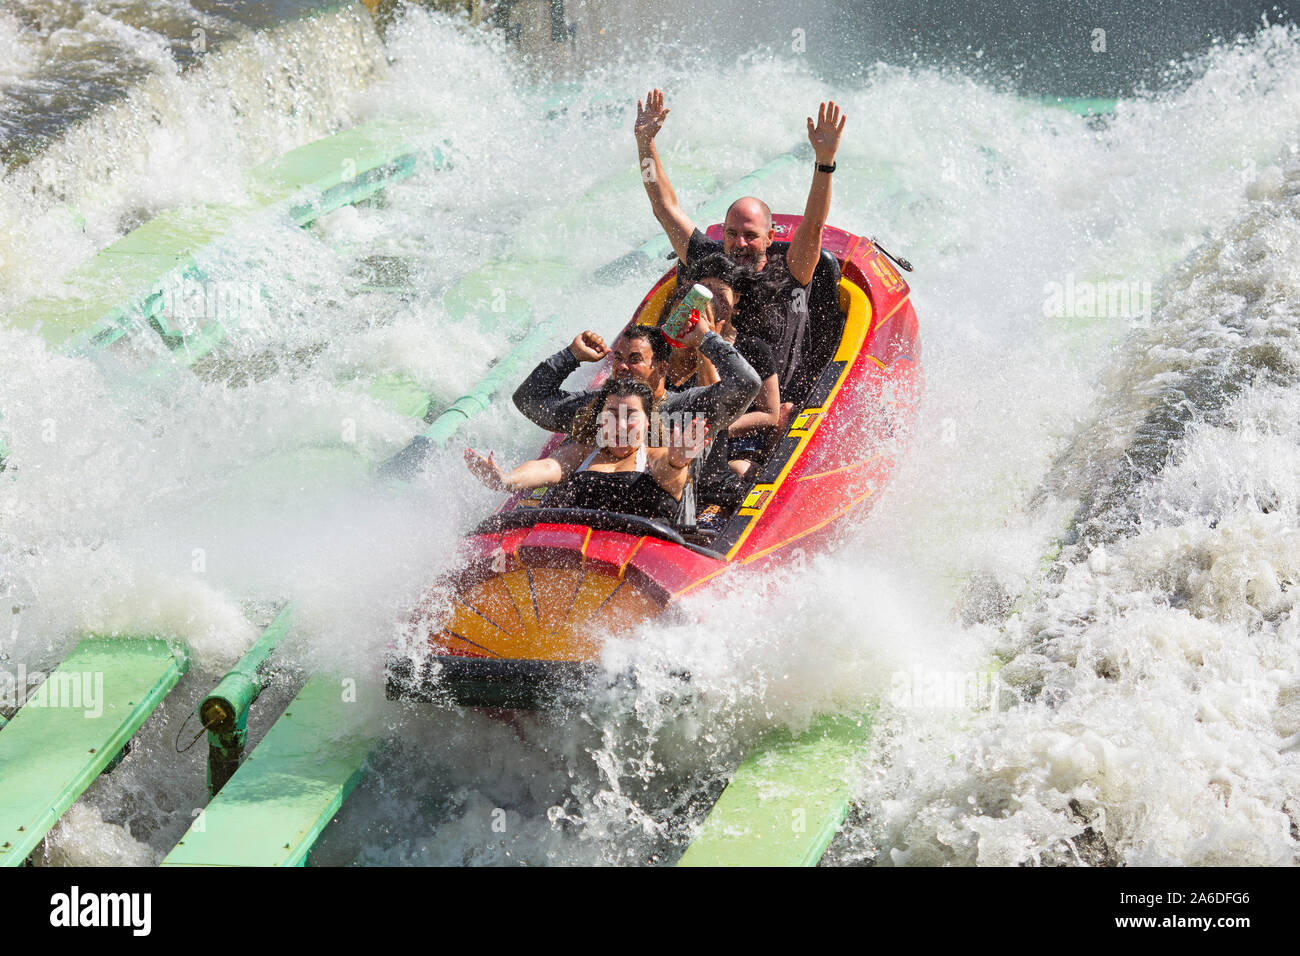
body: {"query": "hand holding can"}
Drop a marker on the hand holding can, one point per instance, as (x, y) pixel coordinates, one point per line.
(686, 315)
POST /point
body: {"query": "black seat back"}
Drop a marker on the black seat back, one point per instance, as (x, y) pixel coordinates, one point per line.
(825, 329)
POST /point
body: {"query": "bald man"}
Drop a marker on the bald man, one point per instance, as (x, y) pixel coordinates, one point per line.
(777, 308)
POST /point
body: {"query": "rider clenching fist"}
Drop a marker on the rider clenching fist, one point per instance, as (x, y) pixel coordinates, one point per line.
(588, 347)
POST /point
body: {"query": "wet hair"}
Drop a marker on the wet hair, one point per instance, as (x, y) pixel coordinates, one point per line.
(586, 422)
(716, 265)
(629, 388)
(659, 347)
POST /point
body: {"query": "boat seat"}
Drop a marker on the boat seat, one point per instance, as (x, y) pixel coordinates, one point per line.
(825, 329)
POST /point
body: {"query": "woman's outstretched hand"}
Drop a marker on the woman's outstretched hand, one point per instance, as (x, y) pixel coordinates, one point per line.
(684, 448)
(485, 470)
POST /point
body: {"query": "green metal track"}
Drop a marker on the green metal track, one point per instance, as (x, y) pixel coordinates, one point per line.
(123, 286)
(287, 791)
(49, 755)
(787, 798)
(277, 804)
(72, 728)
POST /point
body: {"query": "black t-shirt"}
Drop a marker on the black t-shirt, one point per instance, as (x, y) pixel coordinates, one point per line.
(778, 314)
(757, 353)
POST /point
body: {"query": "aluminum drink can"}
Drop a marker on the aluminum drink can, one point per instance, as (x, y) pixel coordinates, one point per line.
(687, 313)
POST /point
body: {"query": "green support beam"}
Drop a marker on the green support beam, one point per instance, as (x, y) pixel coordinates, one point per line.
(274, 808)
(73, 727)
(124, 286)
(342, 169)
(787, 798)
(406, 463)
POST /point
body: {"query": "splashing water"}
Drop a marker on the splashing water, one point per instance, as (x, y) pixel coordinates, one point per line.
(1147, 706)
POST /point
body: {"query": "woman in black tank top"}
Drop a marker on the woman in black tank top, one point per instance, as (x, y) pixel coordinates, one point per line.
(630, 468)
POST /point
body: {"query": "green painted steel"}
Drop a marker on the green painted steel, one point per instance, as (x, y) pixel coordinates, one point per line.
(237, 690)
(787, 798)
(406, 464)
(401, 393)
(287, 790)
(343, 169)
(126, 284)
(479, 398)
(224, 712)
(61, 739)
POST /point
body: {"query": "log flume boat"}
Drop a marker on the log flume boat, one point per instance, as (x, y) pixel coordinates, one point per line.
(538, 591)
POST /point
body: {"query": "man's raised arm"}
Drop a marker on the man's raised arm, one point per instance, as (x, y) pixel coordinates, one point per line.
(806, 246)
(663, 200)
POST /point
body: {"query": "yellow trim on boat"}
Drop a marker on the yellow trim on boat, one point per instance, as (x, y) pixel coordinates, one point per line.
(780, 544)
(632, 554)
(655, 307)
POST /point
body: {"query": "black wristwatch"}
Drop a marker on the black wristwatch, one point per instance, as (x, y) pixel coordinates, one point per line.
(823, 168)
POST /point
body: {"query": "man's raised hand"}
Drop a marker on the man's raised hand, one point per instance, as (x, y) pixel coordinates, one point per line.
(588, 347)
(650, 118)
(825, 136)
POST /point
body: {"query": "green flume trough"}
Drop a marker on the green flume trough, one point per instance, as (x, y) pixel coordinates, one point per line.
(73, 728)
